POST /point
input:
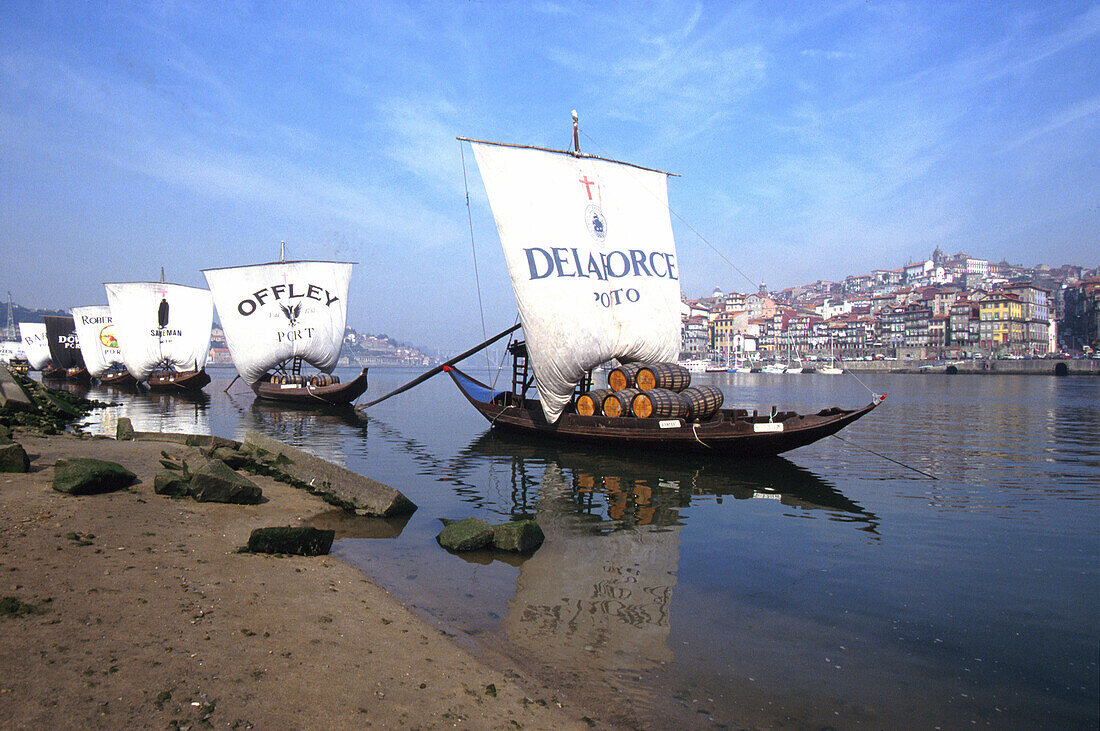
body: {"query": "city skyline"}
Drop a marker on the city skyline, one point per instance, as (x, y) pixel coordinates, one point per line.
(814, 141)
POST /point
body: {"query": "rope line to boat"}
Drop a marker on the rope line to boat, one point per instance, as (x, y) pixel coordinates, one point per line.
(682, 220)
(473, 248)
(888, 459)
(695, 433)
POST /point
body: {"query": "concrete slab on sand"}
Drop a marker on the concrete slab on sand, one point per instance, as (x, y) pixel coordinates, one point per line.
(367, 496)
(12, 395)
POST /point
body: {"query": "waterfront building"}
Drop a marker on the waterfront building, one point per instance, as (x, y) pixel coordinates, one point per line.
(917, 318)
(726, 330)
(1001, 323)
(694, 338)
(1035, 306)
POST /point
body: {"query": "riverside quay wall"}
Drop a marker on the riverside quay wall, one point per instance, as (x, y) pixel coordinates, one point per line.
(989, 366)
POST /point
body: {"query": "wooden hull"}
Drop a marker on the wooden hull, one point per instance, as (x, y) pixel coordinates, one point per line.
(338, 394)
(53, 374)
(728, 433)
(80, 375)
(119, 380)
(187, 381)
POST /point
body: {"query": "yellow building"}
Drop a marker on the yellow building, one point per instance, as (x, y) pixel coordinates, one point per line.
(1001, 322)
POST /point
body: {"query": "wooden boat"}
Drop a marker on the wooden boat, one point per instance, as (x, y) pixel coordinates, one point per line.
(170, 380)
(95, 331)
(277, 316)
(117, 379)
(310, 390)
(730, 432)
(608, 288)
(67, 361)
(163, 332)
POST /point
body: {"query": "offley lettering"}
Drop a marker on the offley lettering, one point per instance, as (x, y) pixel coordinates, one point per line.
(278, 292)
(568, 262)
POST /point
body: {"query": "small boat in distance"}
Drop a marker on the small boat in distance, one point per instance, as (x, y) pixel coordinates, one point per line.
(606, 287)
(95, 332)
(66, 361)
(277, 315)
(164, 332)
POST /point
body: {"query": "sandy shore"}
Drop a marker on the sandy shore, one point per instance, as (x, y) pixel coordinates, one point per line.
(147, 617)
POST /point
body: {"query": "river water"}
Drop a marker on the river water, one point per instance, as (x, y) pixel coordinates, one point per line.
(828, 588)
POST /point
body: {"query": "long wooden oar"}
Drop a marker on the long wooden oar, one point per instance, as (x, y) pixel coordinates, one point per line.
(439, 368)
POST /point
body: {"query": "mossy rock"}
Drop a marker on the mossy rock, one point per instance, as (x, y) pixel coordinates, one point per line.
(124, 430)
(296, 541)
(233, 458)
(87, 476)
(13, 458)
(519, 536)
(5, 435)
(172, 484)
(465, 535)
(215, 482)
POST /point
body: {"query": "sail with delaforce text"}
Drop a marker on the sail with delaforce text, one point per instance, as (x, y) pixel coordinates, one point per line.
(272, 313)
(95, 332)
(161, 326)
(63, 343)
(35, 344)
(592, 259)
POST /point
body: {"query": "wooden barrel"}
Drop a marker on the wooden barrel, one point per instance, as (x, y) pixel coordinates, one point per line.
(671, 376)
(703, 402)
(623, 376)
(659, 403)
(617, 403)
(591, 403)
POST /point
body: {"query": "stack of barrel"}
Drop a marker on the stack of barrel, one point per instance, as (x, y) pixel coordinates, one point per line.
(651, 391)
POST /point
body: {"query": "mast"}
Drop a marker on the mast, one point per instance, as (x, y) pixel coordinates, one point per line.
(10, 329)
(576, 135)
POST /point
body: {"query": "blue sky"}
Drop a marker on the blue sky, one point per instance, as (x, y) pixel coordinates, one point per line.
(814, 140)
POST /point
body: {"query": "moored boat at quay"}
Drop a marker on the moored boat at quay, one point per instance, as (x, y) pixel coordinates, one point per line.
(277, 316)
(597, 209)
(164, 332)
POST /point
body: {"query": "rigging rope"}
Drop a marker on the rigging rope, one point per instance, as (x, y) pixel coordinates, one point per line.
(715, 249)
(473, 248)
(888, 459)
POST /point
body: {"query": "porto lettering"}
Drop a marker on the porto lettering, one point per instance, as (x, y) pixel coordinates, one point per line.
(278, 292)
(568, 262)
(617, 296)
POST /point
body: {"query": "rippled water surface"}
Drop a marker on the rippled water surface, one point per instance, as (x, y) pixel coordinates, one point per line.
(832, 587)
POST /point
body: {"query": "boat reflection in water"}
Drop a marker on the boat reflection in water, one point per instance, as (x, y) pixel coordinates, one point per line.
(153, 411)
(595, 598)
(318, 430)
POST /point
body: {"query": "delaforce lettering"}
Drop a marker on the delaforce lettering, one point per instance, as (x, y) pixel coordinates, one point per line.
(277, 292)
(568, 262)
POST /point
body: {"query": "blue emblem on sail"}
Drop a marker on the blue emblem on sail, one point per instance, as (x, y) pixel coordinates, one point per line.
(597, 224)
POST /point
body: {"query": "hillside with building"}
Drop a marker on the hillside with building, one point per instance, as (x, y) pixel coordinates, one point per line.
(943, 307)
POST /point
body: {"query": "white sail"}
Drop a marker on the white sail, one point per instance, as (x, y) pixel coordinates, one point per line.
(593, 263)
(274, 312)
(10, 350)
(95, 332)
(35, 344)
(161, 325)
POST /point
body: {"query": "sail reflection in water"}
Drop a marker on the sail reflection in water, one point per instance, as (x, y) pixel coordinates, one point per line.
(597, 594)
(154, 411)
